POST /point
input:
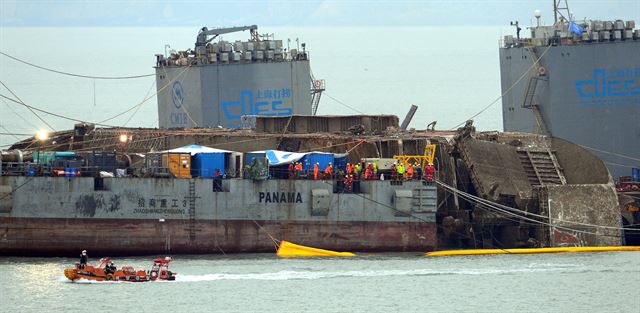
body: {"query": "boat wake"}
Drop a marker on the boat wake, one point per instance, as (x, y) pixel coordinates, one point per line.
(311, 275)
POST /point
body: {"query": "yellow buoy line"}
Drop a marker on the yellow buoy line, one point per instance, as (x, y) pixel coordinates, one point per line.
(292, 250)
(532, 250)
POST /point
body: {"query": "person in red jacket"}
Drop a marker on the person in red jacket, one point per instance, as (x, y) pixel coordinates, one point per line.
(429, 170)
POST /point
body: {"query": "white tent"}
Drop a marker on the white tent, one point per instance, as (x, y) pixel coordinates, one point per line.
(194, 149)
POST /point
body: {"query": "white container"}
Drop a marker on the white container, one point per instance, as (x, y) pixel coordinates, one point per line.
(224, 57)
(225, 46)
(605, 35)
(212, 58)
(597, 26)
(595, 36)
(247, 56)
(272, 44)
(237, 56)
(249, 46)
(618, 25)
(237, 46)
(259, 55)
(627, 34)
(617, 35)
(508, 40)
(270, 55)
(630, 25)
(608, 25)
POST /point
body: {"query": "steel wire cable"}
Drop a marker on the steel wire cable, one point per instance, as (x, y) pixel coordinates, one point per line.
(101, 123)
(505, 209)
(72, 74)
(538, 215)
(612, 153)
(9, 133)
(18, 115)
(138, 108)
(506, 91)
(53, 114)
(494, 209)
(342, 103)
(421, 219)
(30, 109)
(164, 69)
(151, 96)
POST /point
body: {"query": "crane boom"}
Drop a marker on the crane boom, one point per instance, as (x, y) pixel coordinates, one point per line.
(204, 33)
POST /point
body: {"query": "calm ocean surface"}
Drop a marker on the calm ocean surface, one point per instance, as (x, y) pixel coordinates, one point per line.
(579, 282)
(449, 72)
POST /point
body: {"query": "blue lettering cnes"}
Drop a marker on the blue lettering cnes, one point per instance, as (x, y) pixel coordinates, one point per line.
(266, 106)
(612, 83)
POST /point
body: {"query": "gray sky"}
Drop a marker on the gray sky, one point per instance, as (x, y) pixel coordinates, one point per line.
(166, 13)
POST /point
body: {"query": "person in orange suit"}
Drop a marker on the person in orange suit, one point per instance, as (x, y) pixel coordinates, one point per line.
(316, 170)
(328, 172)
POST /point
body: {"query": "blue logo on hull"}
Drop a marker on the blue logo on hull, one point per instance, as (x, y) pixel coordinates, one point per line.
(610, 87)
(269, 102)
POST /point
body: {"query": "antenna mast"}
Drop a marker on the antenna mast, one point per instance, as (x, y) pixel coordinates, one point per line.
(557, 10)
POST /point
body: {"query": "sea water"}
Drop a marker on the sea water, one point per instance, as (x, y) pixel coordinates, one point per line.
(408, 282)
(450, 73)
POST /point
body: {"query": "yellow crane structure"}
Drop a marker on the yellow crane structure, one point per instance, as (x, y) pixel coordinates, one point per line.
(427, 158)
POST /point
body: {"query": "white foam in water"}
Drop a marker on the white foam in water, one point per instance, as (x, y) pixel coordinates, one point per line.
(291, 275)
(84, 281)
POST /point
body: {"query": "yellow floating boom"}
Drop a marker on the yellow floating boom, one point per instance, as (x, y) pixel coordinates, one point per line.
(292, 250)
(532, 250)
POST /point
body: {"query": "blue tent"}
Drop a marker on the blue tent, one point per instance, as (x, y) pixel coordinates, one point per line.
(204, 160)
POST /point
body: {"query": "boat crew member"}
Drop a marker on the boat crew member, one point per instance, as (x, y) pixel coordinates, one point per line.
(84, 258)
(109, 268)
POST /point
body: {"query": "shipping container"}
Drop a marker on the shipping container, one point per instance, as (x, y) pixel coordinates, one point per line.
(47, 157)
(205, 164)
(96, 161)
(176, 165)
(340, 161)
(322, 158)
(179, 164)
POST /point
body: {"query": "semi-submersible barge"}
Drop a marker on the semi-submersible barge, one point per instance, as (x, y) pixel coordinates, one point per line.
(557, 193)
(131, 215)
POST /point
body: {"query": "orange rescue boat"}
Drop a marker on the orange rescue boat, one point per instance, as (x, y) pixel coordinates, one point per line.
(159, 271)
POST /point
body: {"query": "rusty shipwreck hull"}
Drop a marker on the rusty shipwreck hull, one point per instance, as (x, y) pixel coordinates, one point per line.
(129, 216)
(64, 237)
